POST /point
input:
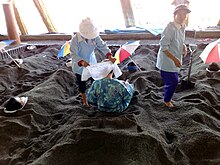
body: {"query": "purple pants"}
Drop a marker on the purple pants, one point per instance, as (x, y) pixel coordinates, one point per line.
(170, 83)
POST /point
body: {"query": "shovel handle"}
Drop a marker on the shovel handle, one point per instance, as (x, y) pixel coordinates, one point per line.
(191, 46)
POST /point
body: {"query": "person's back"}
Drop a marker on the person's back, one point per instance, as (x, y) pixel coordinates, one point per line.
(110, 95)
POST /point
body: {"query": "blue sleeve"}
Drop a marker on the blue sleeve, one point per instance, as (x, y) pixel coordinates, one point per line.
(166, 37)
(102, 46)
(74, 49)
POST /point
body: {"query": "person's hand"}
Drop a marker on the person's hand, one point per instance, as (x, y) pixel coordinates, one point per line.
(127, 81)
(184, 50)
(109, 56)
(177, 62)
(83, 63)
(112, 59)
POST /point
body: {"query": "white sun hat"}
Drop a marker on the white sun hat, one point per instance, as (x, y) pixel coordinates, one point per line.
(87, 29)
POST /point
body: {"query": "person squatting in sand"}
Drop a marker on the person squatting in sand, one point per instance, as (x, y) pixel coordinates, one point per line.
(82, 47)
(172, 48)
(110, 94)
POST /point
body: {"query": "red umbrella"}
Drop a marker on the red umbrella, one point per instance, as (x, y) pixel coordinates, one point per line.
(125, 51)
(211, 53)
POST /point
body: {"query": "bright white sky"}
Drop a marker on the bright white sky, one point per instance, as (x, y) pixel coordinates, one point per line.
(66, 14)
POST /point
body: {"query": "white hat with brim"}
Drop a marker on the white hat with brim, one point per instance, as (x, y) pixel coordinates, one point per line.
(87, 29)
(25, 99)
(181, 7)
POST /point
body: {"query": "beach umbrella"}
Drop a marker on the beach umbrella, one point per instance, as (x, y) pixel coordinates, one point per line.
(211, 53)
(64, 50)
(5, 43)
(125, 51)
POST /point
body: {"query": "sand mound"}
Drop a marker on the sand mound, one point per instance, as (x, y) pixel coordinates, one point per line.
(54, 128)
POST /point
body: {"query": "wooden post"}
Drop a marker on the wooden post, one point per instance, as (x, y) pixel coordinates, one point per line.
(218, 23)
(44, 15)
(128, 13)
(11, 22)
(19, 20)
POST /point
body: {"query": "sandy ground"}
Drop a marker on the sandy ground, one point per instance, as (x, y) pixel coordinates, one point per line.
(54, 128)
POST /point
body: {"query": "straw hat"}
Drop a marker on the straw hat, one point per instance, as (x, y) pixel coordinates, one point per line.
(87, 29)
(181, 7)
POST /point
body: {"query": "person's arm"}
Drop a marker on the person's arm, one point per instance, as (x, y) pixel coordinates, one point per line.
(184, 50)
(126, 93)
(74, 49)
(165, 42)
(172, 57)
(102, 46)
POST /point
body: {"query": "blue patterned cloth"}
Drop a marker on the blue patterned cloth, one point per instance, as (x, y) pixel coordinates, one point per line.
(110, 95)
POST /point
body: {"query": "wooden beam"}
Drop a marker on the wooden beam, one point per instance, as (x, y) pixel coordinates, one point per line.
(11, 22)
(128, 13)
(44, 15)
(208, 34)
(19, 20)
(130, 36)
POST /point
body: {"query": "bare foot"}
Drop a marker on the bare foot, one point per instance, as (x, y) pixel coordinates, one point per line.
(86, 104)
(169, 104)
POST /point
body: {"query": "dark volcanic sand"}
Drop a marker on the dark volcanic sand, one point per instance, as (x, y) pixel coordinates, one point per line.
(55, 129)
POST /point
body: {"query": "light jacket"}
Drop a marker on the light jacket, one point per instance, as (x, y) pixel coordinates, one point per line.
(172, 39)
(82, 50)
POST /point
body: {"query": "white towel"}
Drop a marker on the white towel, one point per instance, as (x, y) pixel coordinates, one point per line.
(100, 70)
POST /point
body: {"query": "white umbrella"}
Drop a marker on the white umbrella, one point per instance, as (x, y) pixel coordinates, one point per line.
(125, 51)
(211, 53)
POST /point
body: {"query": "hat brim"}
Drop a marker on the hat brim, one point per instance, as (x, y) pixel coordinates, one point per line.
(24, 103)
(90, 35)
(181, 7)
(187, 10)
(211, 71)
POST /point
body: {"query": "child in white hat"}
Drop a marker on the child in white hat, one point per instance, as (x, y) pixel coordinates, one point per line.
(169, 58)
(82, 47)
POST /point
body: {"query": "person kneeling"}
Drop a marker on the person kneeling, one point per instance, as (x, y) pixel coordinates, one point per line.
(110, 94)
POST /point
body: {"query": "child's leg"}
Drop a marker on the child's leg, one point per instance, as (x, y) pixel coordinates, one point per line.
(170, 83)
(84, 100)
(82, 89)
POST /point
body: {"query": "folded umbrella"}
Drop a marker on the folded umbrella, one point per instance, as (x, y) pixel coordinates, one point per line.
(64, 50)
